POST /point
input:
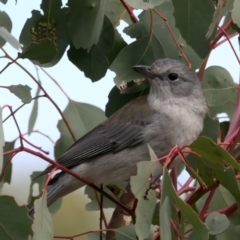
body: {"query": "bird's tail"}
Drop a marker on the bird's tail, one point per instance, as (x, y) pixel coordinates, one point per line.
(60, 186)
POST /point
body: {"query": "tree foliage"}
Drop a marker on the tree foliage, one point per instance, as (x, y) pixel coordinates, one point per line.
(207, 205)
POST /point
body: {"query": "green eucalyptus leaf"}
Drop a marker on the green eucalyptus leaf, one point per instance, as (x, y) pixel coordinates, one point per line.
(115, 11)
(42, 222)
(14, 221)
(146, 203)
(34, 113)
(40, 52)
(235, 12)
(143, 54)
(84, 34)
(52, 24)
(126, 233)
(220, 90)
(21, 91)
(222, 8)
(94, 63)
(217, 223)
(151, 44)
(199, 230)
(8, 172)
(188, 15)
(144, 5)
(209, 150)
(165, 219)
(118, 45)
(5, 22)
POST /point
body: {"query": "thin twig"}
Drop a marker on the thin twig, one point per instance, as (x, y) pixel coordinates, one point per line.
(207, 203)
(21, 107)
(226, 35)
(74, 174)
(16, 123)
(130, 11)
(173, 37)
(31, 144)
(46, 94)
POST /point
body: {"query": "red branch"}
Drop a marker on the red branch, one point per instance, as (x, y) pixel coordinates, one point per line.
(219, 34)
(207, 203)
(230, 43)
(61, 167)
(16, 123)
(31, 144)
(130, 11)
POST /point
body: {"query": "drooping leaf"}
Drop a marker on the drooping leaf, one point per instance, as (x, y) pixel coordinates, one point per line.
(144, 5)
(115, 11)
(165, 219)
(94, 63)
(5, 22)
(7, 36)
(188, 15)
(199, 230)
(52, 25)
(84, 34)
(43, 222)
(126, 233)
(21, 91)
(82, 117)
(146, 202)
(41, 52)
(217, 223)
(222, 8)
(14, 221)
(220, 90)
(34, 113)
(156, 169)
(8, 172)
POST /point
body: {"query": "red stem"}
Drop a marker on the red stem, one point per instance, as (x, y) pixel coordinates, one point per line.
(130, 11)
(219, 34)
(16, 123)
(61, 167)
(224, 40)
(207, 203)
(226, 35)
(31, 144)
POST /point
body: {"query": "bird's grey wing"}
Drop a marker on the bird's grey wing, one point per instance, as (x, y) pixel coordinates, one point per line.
(124, 129)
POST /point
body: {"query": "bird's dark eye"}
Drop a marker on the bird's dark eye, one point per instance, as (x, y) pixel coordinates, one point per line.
(172, 76)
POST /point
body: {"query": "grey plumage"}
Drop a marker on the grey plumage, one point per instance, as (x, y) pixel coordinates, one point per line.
(171, 114)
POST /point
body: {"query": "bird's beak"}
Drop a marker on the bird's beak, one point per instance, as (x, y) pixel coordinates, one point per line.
(145, 70)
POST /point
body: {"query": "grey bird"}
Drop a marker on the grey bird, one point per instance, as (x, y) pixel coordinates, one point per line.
(171, 114)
